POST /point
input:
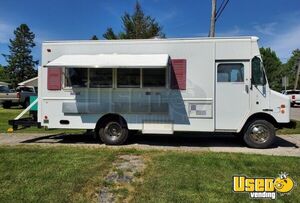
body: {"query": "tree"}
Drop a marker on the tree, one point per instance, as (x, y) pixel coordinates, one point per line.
(273, 67)
(3, 74)
(136, 26)
(94, 37)
(20, 61)
(290, 67)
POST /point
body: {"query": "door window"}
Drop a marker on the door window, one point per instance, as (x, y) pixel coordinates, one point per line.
(258, 74)
(230, 73)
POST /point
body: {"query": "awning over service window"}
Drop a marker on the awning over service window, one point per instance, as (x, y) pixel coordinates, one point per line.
(111, 61)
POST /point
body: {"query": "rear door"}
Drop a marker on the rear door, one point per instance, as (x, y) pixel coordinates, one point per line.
(232, 94)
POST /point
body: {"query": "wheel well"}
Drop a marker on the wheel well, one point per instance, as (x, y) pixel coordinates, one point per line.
(262, 116)
(110, 117)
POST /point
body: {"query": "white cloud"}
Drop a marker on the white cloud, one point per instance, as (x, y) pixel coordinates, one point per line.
(284, 43)
(266, 29)
(235, 31)
(169, 15)
(6, 32)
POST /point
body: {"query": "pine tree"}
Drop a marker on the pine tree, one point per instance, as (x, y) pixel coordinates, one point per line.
(94, 37)
(136, 26)
(3, 74)
(20, 61)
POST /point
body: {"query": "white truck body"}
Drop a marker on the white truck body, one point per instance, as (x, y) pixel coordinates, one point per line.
(211, 100)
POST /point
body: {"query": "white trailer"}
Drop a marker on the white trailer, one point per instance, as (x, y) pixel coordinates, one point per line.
(160, 86)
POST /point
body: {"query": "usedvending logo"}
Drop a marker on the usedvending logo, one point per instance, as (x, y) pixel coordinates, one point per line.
(263, 188)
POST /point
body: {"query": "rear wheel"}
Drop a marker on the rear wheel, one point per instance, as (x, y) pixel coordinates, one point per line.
(259, 134)
(6, 105)
(26, 103)
(113, 133)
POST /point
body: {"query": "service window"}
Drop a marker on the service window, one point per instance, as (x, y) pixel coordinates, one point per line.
(101, 78)
(230, 73)
(76, 77)
(154, 77)
(128, 77)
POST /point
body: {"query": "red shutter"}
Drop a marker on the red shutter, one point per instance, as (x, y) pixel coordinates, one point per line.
(54, 79)
(178, 74)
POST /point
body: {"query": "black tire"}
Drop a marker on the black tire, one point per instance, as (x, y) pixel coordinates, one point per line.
(6, 105)
(26, 103)
(259, 134)
(292, 104)
(113, 133)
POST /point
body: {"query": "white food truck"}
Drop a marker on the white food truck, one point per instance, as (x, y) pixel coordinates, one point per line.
(160, 86)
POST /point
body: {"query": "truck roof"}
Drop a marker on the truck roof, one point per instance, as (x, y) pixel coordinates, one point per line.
(237, 38)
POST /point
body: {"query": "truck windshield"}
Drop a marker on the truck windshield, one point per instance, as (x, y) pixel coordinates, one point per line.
(258, 74)
(4, 89)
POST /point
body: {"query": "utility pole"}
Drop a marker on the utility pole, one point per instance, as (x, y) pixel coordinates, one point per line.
(297, 76)
(213, 18)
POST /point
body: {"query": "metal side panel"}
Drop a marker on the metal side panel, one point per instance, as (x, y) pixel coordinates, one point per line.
(158, 127)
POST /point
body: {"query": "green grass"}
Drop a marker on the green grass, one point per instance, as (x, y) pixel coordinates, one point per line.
(34, 174)
(207, 177)
(67, 174)
(290, 131)
(9, 114)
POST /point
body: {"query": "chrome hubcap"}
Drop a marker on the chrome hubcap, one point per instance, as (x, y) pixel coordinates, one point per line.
(113, 130)
(259, 133)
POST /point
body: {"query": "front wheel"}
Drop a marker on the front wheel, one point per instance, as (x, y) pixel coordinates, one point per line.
(259, 134)
(113, 133)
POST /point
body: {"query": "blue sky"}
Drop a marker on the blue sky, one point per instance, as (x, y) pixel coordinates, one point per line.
(276, 22)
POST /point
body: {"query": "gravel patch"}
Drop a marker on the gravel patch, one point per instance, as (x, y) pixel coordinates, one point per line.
(121, 178)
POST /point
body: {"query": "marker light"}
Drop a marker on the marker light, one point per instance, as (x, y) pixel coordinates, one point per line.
(282, 108)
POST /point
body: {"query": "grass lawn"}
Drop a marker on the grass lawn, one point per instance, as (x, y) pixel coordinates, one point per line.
(290, 131)
(66, 174)
(34, 174)
(207, 177)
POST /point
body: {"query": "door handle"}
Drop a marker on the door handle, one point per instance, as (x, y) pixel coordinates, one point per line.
(247, 89)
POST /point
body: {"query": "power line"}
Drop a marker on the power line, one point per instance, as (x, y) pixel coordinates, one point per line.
(221, 9)
(218, 10)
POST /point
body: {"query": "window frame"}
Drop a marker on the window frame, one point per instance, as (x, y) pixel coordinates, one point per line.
(89, 79)
(65, 87)
(230, 63)
(157, 87)
(140, 80)
(262, 71)
(115, 80)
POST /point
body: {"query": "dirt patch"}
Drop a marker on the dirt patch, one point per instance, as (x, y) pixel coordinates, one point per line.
(119, 182)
